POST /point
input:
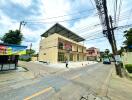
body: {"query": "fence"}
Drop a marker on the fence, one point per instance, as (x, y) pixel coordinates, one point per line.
(127, 58)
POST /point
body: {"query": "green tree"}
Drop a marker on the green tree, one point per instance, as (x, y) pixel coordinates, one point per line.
(13, 37)
(128, 36)
(107, 51)
(30, 52)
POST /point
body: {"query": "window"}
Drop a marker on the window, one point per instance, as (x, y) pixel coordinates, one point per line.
(77, 57)
(77, 48)
(40, 47)
(71, 57)
(60, 45)
(61, 56)
(44, 53)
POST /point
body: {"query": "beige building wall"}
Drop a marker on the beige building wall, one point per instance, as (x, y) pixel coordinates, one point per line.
(34, 58)
(127, 58)
(49, 49)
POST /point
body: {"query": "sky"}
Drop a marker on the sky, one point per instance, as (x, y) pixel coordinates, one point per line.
(40, 15)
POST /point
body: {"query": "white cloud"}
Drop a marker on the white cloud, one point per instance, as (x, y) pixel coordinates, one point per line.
(25, 3)
(53, 8)
(87, 22)
(7, 23)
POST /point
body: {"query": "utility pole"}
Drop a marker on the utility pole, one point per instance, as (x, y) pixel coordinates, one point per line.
(101, 6)
(118, 67)
(21, 23)
(111, 38)
(112, 33)
(30, 49)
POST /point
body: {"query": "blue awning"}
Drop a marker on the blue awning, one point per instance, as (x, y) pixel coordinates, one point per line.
(130, 46)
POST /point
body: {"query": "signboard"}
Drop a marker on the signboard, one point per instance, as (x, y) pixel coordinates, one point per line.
(117, 58)
(68, 46)
(12, 50)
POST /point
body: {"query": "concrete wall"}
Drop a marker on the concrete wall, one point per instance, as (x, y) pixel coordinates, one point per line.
(127, 58)
(49, 49)
(34, 58)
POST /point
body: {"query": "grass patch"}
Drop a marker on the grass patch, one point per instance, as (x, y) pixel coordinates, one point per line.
(129, 67)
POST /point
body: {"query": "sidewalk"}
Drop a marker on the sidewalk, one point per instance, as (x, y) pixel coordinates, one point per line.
(119, 88)
(70, 64)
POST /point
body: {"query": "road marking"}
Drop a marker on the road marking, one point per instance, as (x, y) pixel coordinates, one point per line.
(38, 93)
(75, 77)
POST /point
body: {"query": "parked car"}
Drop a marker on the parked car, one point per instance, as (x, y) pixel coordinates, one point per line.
(106, 61)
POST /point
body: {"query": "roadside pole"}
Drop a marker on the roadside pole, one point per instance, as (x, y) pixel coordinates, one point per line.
(21, 23)
(101, 6)
(30, 49)
(117, 66)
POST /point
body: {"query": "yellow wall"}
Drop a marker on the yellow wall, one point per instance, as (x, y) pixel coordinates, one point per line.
(49, 48)
(74, 47)
(34, 58)
(127, 58)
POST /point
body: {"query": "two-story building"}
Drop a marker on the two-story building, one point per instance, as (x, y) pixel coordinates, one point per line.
(93, 53)
(59, 44)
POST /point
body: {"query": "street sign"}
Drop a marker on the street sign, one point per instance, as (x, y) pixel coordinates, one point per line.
(117, 58)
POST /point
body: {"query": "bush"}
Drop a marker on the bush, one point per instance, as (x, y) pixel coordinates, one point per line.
(129, 67)
(25, 59)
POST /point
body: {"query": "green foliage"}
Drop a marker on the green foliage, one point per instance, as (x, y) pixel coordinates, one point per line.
(129, 67)
(128, 36)
(24, 59)
(107, 51)
(30, 52)
(120, 51)
(13, 37)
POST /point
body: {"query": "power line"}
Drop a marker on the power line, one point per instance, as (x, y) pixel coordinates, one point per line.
(119, 11)
(63, 15)
(41, 22)
(95, 38)
(92, 3)
(129, 15)
(88, 27)
(91, 35)
(115, 11)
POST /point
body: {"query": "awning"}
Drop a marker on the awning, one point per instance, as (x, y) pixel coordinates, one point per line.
(11, 49)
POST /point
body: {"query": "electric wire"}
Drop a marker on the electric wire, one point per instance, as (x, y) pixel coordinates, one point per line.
(120, 5)
(62, 15)
(115, 11)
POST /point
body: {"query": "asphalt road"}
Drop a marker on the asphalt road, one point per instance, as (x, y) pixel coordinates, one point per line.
(68, 85)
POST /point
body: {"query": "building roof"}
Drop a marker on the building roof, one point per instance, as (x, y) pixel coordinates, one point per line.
(13, 45)
(91, 48)
(61, 30)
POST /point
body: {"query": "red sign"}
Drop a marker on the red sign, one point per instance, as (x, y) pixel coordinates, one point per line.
(68, 46)
(3, 49)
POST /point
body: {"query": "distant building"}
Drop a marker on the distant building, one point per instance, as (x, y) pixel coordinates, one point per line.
(93, 53)
(59, 44)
